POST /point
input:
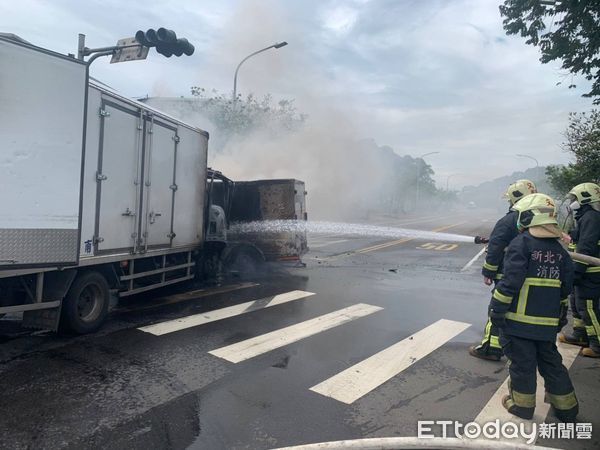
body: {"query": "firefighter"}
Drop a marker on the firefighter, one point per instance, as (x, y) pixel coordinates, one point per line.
(503, 233)
(529, 306)
(585, 202)
(579, 335)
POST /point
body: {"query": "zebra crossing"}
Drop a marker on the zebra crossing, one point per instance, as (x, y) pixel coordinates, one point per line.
(265, 343)
(360, 379)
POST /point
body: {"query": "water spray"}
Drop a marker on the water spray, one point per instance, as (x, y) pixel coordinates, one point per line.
(350, 229)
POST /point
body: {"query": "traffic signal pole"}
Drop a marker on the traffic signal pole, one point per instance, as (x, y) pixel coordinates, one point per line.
(165, 41)
(83, 51)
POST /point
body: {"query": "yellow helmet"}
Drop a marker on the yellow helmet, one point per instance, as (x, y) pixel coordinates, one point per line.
(520, 189)
(537, 212)
(585, 193)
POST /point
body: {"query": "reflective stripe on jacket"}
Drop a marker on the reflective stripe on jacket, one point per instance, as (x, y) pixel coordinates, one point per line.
(588, 243)
(538, 278)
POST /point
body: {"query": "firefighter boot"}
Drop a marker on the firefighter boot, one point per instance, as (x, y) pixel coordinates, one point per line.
(523, 413)
(479, 352)
(590, 353)
(577, 338)
(568, 416)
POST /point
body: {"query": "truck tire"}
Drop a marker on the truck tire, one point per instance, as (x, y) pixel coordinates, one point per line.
(245, 260)
(86, 305)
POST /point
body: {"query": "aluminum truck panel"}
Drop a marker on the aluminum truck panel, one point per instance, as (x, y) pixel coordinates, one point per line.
(133, 146)
(42, 105)
(188, 217)
(160, 150)
(120, 149)
(88, 205)
(300, 200)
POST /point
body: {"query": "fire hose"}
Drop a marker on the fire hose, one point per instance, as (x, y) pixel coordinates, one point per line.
(578, 257)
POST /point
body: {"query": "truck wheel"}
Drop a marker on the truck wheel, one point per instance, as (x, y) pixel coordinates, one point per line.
(86, 305)
(246, 261)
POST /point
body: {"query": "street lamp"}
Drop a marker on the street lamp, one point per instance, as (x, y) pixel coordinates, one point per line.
(530, 157)
(275, 46)
(419, 175)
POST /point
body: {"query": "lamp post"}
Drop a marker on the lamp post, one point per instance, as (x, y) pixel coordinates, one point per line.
(275, 46)
(419, 175)
(530, 157)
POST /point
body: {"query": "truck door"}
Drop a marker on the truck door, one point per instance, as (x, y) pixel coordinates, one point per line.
(42, 109)
(118, 177)
(159, 184)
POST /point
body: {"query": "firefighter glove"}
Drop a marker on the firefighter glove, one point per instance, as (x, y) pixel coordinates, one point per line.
(562, 321)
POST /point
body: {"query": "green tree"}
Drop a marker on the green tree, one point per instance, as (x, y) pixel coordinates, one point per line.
(566, 30)
(246, 115)
(583, 142)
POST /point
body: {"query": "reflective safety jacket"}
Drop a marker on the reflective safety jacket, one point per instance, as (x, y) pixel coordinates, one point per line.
(538, 278)
(587, 277)
(503, 233)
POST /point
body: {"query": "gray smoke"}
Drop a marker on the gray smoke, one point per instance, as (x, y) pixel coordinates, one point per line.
(346, 176)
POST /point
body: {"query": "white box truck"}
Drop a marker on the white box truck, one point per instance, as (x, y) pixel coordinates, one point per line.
(100, 194)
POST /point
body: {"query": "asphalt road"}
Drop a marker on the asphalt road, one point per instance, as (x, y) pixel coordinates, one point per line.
(366, 340)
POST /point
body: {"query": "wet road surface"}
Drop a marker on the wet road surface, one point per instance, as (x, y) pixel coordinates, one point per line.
(290, 357)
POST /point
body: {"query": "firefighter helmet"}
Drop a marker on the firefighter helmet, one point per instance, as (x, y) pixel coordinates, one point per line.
(585, 193)
(537, 213)
(520, 189)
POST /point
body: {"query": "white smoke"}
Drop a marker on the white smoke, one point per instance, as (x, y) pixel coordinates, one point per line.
(344, 177)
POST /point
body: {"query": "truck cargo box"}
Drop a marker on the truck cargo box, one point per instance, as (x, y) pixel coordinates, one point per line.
(265, 201)
(42, 106)
(144, 179)
(88, 175)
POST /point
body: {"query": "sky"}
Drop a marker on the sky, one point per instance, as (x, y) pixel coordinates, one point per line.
(419, 76)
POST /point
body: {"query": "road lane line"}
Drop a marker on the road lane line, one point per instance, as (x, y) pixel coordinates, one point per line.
(384, 245)
(250, 348)
(195, 320)
(360, 379)
(387, 244)
(325, 244)
(473, 260)
(409, 222)
(494, 410)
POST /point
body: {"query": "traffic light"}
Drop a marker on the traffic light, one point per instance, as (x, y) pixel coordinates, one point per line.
(165, 41)
(147, 39)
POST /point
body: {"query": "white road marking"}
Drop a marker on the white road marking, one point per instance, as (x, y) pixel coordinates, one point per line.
(182, 323)
(325, 244)
(250, 348)
(360, 379)
(494, 409)
(475, 258)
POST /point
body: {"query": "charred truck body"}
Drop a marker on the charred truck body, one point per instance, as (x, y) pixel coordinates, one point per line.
(100, 195)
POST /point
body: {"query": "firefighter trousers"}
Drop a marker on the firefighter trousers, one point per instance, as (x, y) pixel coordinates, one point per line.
(490, 344)
(578, 323)
(524, 356)
(588, 305)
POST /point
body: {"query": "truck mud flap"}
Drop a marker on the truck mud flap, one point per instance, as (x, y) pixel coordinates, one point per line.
(44, 319)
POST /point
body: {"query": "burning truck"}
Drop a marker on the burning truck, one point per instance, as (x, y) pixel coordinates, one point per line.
(104, 197)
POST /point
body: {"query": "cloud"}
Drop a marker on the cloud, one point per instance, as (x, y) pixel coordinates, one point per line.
(417, 75)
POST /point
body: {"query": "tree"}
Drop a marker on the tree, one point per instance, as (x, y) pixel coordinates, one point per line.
(566, 30)
(246, 115)
(583, 141)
